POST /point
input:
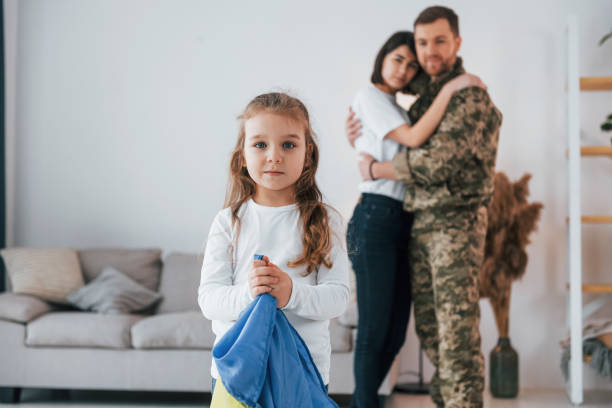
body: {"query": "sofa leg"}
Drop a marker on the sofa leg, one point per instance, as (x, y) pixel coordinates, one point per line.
(10, 395)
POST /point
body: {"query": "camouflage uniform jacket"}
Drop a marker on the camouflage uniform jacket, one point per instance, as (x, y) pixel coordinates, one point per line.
(456, 165)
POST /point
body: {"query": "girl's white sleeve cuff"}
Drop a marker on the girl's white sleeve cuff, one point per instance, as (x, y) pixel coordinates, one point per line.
(294, 288)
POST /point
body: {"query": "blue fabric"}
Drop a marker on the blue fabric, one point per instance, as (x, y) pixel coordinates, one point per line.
(264, 363)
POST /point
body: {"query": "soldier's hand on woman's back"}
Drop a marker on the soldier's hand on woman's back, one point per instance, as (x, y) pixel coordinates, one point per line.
(352, 127)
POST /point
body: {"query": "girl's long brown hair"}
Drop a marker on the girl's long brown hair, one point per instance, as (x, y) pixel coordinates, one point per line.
(317, 236)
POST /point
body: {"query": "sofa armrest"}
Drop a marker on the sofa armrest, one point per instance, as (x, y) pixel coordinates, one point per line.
(21, 308)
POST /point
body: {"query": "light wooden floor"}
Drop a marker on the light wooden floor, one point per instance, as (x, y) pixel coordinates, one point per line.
(96, 399)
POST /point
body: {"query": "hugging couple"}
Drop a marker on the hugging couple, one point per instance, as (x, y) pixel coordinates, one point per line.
(417, 234)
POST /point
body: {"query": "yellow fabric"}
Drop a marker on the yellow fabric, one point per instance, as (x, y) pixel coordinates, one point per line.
(222, 399)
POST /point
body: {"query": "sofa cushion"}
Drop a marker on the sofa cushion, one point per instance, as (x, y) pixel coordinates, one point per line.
(341, 337)
(49, 274)
(173, 330)
(21, 308)
(179, 282)
(113, 293)
(142, 265)
(81, 329)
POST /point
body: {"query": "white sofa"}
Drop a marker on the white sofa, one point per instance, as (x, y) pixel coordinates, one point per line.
(170, 350)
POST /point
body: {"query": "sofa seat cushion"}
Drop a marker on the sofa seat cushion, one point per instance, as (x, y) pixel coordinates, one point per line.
(341, 337)
(183, 330)
(21, 308)
(81, 329)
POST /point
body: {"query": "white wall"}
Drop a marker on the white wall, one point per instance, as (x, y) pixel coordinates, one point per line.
(126, 117)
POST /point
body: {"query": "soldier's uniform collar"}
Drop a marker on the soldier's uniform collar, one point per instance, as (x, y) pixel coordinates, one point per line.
(424, 84)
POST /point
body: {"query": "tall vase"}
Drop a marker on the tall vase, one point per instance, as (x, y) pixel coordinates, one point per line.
(504, 370)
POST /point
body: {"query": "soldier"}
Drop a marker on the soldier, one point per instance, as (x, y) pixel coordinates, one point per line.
(449, 182)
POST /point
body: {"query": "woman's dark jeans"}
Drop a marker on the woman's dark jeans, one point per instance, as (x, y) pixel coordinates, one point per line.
(378, 237)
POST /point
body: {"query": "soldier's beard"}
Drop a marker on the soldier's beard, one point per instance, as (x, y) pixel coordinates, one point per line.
(438, 65)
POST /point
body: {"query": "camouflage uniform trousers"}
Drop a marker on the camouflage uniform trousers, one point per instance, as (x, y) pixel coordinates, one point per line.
(446, 253)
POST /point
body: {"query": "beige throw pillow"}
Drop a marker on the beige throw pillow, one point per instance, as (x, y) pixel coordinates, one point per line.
(49, 274)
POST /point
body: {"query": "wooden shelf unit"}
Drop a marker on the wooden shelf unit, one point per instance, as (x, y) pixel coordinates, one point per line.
(576, 310)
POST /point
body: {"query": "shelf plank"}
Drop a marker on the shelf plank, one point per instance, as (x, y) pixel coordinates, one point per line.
(594, 219)
(591, 151)
(591, 288)
(595, 288)
(596, 151)
(596, 83)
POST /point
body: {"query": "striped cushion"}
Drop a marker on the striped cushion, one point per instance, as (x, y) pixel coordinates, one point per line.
(49, 274)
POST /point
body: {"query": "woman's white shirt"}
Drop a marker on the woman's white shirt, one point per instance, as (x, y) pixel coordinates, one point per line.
(379, 114)
(277, 233)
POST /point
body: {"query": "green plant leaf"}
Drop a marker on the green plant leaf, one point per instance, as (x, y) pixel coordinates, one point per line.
(605, 38)
(607, 125)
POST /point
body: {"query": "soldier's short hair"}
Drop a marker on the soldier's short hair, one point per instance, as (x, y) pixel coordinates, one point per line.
(431, 14)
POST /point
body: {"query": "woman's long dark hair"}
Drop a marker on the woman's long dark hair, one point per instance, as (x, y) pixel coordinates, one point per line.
(397, 39)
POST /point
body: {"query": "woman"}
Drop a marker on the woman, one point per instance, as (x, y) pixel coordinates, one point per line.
(379, 230)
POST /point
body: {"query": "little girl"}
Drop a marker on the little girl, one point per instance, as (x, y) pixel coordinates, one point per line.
(274, 207)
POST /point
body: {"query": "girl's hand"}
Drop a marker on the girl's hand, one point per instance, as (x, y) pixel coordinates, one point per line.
(352, 127)
(465, 81)
(260, 280)
(265, 277)
(364, 166)
(282, 289)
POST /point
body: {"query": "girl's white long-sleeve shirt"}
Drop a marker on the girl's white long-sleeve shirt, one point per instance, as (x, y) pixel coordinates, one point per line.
(277, 233)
